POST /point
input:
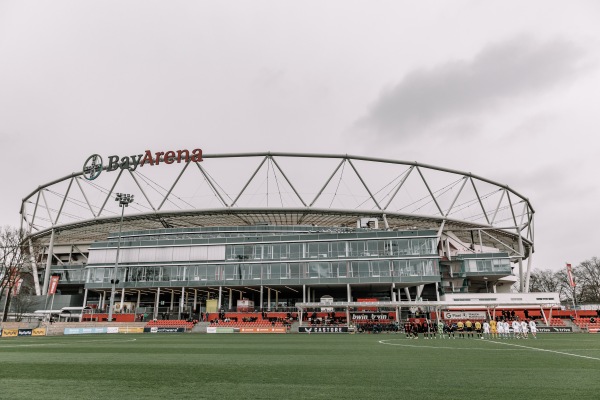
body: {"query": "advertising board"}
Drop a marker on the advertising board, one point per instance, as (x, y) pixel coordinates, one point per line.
(10, 332)
(323, 329)
(263, 330)
(83, 331)
(465, 315)
(156, 329)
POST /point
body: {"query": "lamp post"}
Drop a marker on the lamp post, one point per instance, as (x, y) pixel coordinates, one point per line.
(485, 278)
(124, 200)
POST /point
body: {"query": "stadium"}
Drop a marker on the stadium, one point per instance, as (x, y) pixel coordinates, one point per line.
(199, 233)
(283, 243)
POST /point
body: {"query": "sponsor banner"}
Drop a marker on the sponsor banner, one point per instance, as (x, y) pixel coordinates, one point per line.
(83, 331)
(156, 329)
(131, 329)
(112, 329)
(465, 315)
(38, 332)
(369, 317)
(263, 330)
(25, 332)
(554, 329)
(214, 329)
(10, 332)
(323, 329)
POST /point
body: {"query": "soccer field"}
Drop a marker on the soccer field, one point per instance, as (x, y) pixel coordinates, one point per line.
(296, 366)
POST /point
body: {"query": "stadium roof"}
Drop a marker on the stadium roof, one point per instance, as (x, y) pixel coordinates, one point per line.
(283, 189)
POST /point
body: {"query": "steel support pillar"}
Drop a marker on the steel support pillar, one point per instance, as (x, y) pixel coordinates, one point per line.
(48, 264)
(85, 294)
(156, 303)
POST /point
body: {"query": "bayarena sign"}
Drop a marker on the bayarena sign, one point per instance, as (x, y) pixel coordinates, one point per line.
(93, 165)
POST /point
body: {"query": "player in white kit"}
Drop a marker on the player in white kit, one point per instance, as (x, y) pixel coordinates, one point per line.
(533, 329)
(486, 330)
(516, 329)
(524, 329)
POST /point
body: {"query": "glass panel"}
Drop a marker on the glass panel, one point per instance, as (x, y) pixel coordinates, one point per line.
(339, 269)
(338, 249)
(323, 248)
(360, 269)
(280, 251)
(381, 268)
(295, 251)
(372, 248)
(357, 249)
(312, 250)
(318, 270)
(231, 272)
(403, 247)
(295, 270)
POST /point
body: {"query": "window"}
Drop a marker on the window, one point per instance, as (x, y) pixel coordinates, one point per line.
(357, 249)
(318, 270)
(380, 268)
(360, 269)
(280, 251)
(338, 249)
(296, 250)
(339, 269)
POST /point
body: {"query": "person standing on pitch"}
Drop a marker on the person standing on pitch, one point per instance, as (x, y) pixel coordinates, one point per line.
(460, 328)
(494, 328)
(506, 329)
(486, 330)
(533, 329)
(516, 329)
(524, 329)
(469, 328)
(440, 329)
(478, 330)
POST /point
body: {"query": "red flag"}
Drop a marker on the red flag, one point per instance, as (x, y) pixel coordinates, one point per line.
(570, 274)
(17, 286)
(53, 284)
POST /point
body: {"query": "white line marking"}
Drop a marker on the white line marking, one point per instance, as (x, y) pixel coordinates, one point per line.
(549, 351)
(3, 345)
(438, 347)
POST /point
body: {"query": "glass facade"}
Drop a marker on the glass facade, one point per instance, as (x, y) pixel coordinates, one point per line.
(352, 256)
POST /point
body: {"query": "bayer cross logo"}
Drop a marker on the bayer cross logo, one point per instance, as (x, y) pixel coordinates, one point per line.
(92, 167)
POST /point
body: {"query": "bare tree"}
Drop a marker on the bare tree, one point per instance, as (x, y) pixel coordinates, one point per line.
(550, 281)
(587, 278)
(14, 265)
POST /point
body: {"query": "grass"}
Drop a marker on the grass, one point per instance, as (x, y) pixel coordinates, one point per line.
(326, 366)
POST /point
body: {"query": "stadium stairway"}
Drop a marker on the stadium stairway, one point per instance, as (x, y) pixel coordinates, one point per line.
(200, 327)
(576, 329)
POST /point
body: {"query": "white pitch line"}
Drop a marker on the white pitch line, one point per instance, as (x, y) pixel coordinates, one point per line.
(3, 346)
(437, 347)
(549, 351)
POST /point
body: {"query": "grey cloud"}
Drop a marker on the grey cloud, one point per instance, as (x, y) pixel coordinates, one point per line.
(463, 90)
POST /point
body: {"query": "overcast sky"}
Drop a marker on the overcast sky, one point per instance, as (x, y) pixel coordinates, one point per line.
(509, 90)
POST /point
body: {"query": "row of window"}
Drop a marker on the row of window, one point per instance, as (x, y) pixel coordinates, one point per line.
(500, 265)
(213, 272)
(337, 249)
(271, 251)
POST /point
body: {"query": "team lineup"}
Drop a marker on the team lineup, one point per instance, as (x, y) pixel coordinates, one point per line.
(487, 330)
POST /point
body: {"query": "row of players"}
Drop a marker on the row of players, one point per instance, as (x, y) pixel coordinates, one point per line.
(489, 329)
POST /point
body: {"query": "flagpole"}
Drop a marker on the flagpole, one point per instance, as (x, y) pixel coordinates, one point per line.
(573, 285)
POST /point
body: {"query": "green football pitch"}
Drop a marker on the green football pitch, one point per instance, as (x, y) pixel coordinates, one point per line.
(299, 366)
